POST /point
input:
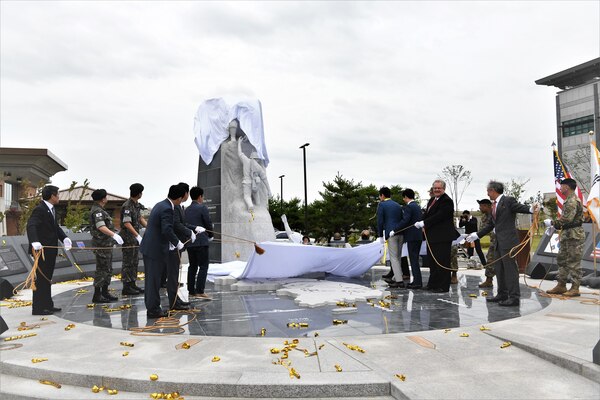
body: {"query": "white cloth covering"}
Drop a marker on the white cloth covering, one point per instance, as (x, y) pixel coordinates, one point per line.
(286, 260)
(213, 117)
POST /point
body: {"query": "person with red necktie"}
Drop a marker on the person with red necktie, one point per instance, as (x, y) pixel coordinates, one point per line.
(504, 213)
(438, 221)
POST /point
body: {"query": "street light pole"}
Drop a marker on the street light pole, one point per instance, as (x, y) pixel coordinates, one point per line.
(281, 193)
(303, 147)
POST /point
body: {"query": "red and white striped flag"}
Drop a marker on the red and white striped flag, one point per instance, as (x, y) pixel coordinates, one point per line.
(560, 173)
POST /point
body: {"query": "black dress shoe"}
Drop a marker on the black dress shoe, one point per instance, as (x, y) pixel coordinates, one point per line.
(495, 299)
(389, 281)
(160, 314)
(397, 285)
(389, 275)
(42, 312)
(180, 307)
(413, 286)
(56, 309)
(182, 303)
(509, 303)
(439, 290)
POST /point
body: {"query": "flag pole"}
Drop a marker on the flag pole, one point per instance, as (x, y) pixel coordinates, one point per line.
(594, 222)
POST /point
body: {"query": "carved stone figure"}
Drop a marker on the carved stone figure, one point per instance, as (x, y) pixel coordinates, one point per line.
(254, 176)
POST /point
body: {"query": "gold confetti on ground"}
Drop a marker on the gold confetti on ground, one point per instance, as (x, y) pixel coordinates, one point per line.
(27, 335)
(484, 293)
(50, 383)
(447, 330)
(69, 327)
(112, 392)
(473, 295)
(354, 347)
(338, 368)
(153, 377)
(127, 344)
(125, 354)
(263, 331)
(464, 335)
(38, 360)
(484, 328)
(340, 321)
(505, 345)
(401, 377)
(96, 389)
(216, 359)
(321, 346)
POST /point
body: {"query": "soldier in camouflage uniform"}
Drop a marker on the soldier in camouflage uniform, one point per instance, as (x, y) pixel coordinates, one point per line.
(571, 239)
(131, 223)
(103, 235)
(485, 206)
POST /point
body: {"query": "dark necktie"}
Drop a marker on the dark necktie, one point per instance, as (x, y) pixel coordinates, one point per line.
(432, 203)
(494, 210)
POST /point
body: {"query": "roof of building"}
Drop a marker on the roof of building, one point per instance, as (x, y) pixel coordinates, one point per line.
(86, 196)
(574, 76)
(31, 164)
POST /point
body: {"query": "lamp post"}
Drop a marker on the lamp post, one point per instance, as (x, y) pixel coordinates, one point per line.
(281, 193)
(303, 147)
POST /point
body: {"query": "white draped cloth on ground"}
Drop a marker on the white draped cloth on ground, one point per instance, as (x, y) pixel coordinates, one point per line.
(287, 260)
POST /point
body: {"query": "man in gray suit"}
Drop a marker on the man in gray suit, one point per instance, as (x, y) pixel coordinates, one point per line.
(504, 213)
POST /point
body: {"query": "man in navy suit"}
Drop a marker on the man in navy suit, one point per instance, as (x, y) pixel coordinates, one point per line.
(504, 213)
(438, 221)
(158, 240)
(389, 215)
(43, 230)
(413, 237)
(197, 214)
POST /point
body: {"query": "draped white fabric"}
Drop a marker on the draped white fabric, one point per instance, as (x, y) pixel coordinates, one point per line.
(213, 117)
(286, 260)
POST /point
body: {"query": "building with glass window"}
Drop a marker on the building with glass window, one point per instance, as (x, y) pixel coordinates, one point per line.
(577, 113)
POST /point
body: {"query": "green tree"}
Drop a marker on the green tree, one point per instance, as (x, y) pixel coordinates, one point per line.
(515, 188)
(77, 214)
(293, 210)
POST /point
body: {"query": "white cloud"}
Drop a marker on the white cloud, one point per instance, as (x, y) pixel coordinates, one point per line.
(385, 92)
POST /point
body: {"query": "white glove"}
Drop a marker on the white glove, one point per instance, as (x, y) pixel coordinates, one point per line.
(210, 239)
(419, 224)
(381, 240)
(392, 233)
(68, 244)
(549, 231)
(472, 237)
(36, 245)
(139, 239)
(118, 238)
(171, 247)
(200, 229)
(193, 237)
(179, 245)
(548, 223)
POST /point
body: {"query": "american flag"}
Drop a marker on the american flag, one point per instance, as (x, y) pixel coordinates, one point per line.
(596, 251)
(560, 173)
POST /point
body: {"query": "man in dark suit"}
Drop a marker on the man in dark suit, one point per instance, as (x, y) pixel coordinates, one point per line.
(413, 237)
(197, 214)
(469, 222)
(42, 231)
(438, 221)
(158, 240)
(504, 213)
(389, 215)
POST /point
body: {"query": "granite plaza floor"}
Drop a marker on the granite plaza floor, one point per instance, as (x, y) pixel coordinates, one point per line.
(435, 343)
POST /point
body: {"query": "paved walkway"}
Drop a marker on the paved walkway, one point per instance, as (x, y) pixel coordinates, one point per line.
(550, 358)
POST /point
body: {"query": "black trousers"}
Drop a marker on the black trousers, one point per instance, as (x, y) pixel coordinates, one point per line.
(198, 264)
(413, 254)
(42, 296)
(479, 252)
(439, 277)
(154, 269)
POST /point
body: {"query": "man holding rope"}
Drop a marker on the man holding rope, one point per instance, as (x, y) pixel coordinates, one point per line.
(504, 214)
(438, 221)
(44, 233)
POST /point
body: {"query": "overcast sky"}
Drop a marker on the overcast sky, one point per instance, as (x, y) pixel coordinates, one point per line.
(385, 92)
